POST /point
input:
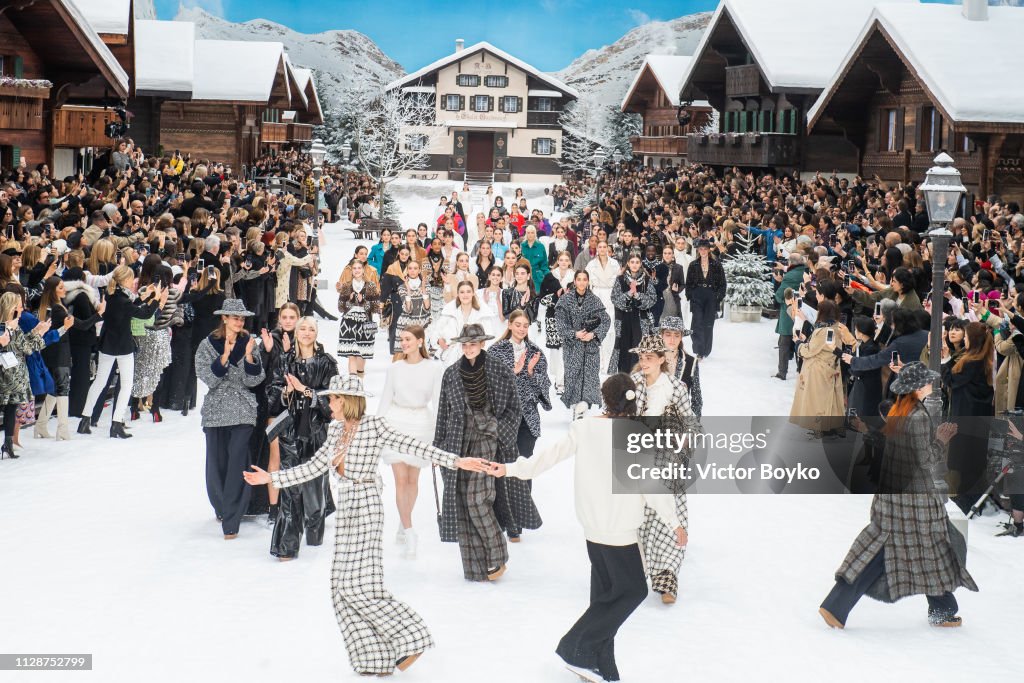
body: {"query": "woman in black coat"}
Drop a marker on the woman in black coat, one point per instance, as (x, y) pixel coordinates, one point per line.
(971, 407)
(298, 375)
(57, 357)
(117, 345)
(82, 302)
(273, 345)
(205, 297)
(865, 384)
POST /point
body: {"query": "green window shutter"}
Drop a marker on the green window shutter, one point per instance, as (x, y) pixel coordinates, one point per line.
(19, 67)
(743, 121)
(533, 146)
(15, 154)
(462, 102)
(554, 147)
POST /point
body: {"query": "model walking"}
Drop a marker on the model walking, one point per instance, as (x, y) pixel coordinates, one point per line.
(661, 395)
(682, 365)
(705, 290)
(358, 298)
(298, 374)
(910, 547)
(602, 272)
(464, 310)
(381, 633)
(415, 308)
(409, 404)
(634, 296)
(556, 283)
(583, 324)
(610, 523)
(530, 369)
(478, 412)
(15, 386)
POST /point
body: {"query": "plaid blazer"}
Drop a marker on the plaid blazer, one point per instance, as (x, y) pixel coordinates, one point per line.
(678, 417)
(533, 389)
(924, 553)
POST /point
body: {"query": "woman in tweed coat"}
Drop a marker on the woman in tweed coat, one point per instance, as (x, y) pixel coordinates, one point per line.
(474, 511)
(15, 387)
(910, 547)
(682, 365)
(583, 324)
(633, 296)
(660, 395)
(381, 633)
(530, 369)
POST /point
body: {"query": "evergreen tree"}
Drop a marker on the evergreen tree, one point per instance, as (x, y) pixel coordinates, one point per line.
(748, 276)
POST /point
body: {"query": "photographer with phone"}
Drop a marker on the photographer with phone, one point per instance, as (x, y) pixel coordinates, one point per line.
(819, 403)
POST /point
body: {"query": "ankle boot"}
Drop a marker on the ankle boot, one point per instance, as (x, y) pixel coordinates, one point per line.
(83, 425)
(117, 431)
(157, 417)
(41, 428)
(8, 448)
(62, 419)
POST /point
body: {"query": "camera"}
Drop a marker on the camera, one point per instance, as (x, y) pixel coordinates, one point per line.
(119, 128)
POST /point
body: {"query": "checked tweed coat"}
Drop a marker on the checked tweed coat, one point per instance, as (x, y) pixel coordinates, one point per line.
(582, 360)
(503, 399)
(658, 541)
(924, 553)
(378, 629)
(533, 389)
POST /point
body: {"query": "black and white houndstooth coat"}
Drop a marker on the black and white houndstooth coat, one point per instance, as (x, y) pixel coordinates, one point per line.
(582, 359)
(658, 541)
(503, 398)
(533, 389)
(924, 553)
(378, 629)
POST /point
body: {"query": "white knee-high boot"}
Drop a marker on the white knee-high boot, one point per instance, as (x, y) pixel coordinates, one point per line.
(41, 429)
(62, 419)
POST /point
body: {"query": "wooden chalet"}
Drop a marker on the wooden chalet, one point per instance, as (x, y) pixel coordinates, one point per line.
(654, 94)
(902, 95)
(56, 75)
(762, 65)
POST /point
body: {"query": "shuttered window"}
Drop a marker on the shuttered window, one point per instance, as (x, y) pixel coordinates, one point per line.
(467, 80)
(543, 146)
(482, 103)
(496, 81)
(452, 102)
(890, 130)
(511, 105)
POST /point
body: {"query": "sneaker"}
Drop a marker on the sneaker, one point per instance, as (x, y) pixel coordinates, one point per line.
(1011, 529)
(588, 675)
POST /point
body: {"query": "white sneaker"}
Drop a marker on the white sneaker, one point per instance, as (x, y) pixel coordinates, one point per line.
(410, 544)
(579, 410)
(400, 536)
(585, 674)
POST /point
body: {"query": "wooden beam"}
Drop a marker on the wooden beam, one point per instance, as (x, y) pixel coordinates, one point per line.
(888, 77)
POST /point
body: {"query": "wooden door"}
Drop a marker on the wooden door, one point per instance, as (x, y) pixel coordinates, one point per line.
(481, 152)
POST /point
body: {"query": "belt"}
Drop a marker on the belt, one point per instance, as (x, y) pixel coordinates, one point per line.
(705, 286)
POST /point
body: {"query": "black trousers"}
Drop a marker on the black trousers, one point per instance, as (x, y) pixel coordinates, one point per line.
(785, 352)
(617, 587)
(845, 595)
(10, 419)
(525, 441)
(81, 356)
(227, 456)
(97, 410)
(704, 308)
(396, 312)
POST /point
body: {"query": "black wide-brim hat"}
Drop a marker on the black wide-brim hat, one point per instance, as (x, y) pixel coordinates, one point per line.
(472, 333)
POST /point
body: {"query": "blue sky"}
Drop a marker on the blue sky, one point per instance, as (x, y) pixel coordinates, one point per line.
(545, 33)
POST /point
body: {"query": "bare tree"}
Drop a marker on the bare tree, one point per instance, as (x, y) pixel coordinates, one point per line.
(392, 132)
(586, 126)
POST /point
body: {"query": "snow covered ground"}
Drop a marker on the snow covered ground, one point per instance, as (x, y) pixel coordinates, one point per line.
(111, 548)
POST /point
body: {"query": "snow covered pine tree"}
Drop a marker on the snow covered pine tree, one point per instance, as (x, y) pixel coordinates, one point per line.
(748, 284)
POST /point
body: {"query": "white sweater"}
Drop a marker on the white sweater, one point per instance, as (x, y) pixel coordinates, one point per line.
(607, 518)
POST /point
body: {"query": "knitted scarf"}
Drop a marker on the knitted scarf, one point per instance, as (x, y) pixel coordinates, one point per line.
(474, 380)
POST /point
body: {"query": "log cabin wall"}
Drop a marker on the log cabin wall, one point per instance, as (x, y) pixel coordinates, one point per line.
(207, 131)
(23, 121)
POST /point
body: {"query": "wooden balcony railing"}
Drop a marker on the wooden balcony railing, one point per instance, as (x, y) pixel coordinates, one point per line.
(542, 119)
(742, 81)
(21, 114)
(81, 126)
(300, 132)
(764, 150)
(273, 132)
(666, 146)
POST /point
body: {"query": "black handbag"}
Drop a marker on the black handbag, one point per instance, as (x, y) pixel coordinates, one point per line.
(591, 324)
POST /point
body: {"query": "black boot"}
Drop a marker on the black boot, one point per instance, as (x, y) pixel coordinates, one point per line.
(83, 426)
(157, 417)
(134, 404)
(117, 431)
(8, 449)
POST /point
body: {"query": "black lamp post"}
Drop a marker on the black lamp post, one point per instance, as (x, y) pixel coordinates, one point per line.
(317, 153)
(942, 191)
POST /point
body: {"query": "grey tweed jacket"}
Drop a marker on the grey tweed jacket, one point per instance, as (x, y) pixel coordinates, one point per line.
(230, 400)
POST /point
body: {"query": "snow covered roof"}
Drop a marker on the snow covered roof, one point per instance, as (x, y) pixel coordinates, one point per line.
(292, 79)
(116, 75)
(420, 88)
(466, 52)
(474, 123)
(164, 57)
(107, 16)
(970, 84)
(669, 71)
(235, 70)
(533, 92)
(797, 44)
(307, 85)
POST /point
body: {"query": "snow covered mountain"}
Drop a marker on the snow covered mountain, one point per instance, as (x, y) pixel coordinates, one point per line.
(145, 9)
(608, 71)
(336, 56)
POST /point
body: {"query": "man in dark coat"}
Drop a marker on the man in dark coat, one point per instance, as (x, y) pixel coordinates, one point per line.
(478, 412)
(784, 327)
(198, 200)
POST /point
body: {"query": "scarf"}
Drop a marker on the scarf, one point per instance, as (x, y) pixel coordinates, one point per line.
(474, 381)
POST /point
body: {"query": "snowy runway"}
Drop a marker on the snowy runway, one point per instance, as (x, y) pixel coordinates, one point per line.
(111, 548)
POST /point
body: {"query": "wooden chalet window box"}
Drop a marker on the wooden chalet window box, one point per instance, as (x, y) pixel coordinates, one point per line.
(755, 140)
(718, 140)
(734, 140)
(702, 139)
(23, 91)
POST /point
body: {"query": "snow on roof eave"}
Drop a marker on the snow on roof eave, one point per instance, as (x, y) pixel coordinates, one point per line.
(671, 86)
(830, 88)
(151, 36)
(107, 17)
(292, 78)
(701, 48)
(213, 91)
(497, 52)
(120, 77)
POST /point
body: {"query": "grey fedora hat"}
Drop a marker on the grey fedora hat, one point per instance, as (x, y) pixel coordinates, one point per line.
(472, 332)
(234, 307)
(914, 376)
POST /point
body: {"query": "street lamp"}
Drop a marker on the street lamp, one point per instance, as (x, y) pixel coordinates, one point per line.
(599, 157)
(616, 159)
(317, 153)
(942, 192)
(346, 151)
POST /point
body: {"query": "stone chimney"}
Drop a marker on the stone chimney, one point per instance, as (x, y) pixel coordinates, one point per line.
(975, 10)
(460, 43)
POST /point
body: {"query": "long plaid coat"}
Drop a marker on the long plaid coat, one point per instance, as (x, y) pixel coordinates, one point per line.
(378, 629)
(503, 398)
(582, 359)
(924, 553)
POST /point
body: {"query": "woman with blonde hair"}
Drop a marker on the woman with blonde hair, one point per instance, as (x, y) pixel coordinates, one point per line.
(358, 301)
(463, 310)
(102, 257)
(117, 345)
(409, 404)
(15, 385)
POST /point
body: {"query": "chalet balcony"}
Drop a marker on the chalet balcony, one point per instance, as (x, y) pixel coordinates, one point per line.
(300, 132)
(742, 81)
(543, 119)
(757, 150)
(81, 126)
(668, 146)
(16, 114)
(273, 132)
